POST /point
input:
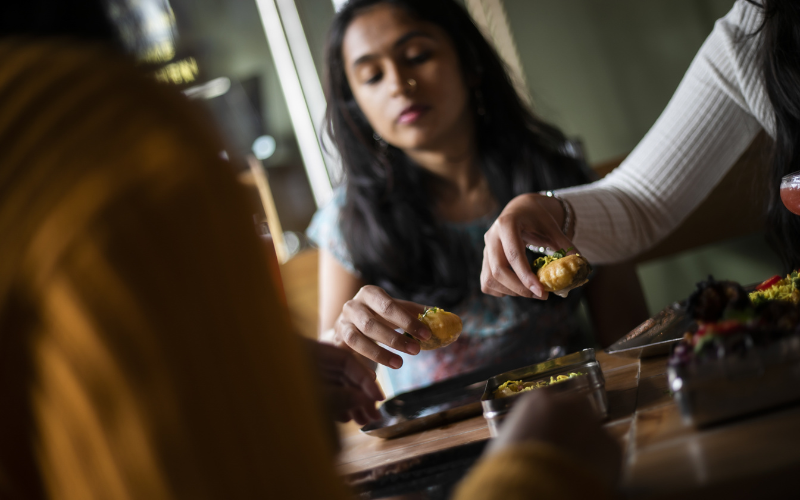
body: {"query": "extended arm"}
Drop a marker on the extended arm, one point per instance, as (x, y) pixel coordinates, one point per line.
(714, 115)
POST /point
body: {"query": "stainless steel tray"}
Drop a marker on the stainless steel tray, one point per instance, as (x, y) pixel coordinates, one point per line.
(592, 384)
(715, 390)
(657, 335)
(431, 406)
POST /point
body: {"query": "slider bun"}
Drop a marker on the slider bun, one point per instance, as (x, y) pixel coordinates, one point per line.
(444, 326)
(562, 275)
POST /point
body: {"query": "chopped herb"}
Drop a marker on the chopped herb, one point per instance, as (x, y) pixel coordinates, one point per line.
(429, 310)
(546, 259)
(705, 339)
(742, 316)
(561, 253)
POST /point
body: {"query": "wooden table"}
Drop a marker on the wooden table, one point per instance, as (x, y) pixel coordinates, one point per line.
(663, 457)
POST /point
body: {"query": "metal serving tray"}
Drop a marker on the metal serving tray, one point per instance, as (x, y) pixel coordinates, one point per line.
(592, 384)
(716, 390)
(657, 335)
(432, 406)
(450, 400)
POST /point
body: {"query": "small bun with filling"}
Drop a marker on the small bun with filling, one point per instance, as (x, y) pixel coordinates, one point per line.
(561, 273)
(445, 328)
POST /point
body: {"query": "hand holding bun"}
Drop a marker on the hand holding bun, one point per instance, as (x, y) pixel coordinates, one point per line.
(560, 274)
(445, 326)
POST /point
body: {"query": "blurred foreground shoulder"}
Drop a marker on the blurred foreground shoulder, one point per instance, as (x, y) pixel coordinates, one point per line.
(531, 470)
(79, 100)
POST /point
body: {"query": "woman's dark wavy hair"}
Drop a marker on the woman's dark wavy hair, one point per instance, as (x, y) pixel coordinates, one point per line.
(780, 59)
(387, 219)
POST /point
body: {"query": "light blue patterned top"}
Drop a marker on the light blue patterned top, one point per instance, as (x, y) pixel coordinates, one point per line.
(496, 330)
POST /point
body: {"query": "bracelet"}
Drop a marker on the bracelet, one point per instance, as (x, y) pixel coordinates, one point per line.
(568, 217)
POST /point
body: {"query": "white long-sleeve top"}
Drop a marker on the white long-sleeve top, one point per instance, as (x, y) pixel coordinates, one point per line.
(720, 106)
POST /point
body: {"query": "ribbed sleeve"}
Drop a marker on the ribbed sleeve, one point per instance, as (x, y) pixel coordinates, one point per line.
(717, 110)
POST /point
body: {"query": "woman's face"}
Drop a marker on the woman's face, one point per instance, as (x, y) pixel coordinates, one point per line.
(406, 78)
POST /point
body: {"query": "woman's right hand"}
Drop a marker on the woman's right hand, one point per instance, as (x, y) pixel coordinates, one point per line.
(528, 219)
(370, 319)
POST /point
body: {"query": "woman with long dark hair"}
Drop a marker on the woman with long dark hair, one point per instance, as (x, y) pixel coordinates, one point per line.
(435, 141)
(746, 78)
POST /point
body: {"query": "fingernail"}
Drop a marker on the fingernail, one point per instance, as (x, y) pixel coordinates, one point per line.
(412, 347)
(424, 333)
(396, 363)
(536, 292)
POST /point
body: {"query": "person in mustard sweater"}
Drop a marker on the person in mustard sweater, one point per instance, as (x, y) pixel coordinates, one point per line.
(548, 448)
(144, 351)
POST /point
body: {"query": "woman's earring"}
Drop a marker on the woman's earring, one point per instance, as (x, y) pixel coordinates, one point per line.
(381, 143)
(479, 103)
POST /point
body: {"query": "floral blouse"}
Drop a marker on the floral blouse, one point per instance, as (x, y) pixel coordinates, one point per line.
(497, 331)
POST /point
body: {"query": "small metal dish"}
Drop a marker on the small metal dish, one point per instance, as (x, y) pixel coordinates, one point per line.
(440, 403)
(591, 383)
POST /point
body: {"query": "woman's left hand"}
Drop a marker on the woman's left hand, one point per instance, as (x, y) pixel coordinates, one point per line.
(371, 318)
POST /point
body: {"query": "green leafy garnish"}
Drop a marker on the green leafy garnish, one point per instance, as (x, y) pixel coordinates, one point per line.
(795, 278)
(705, 339)
(561, 253)
(742, 316)
(431, 310)
(546, 259)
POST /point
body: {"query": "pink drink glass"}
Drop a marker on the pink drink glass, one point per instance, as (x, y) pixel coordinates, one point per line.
(790, 192)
